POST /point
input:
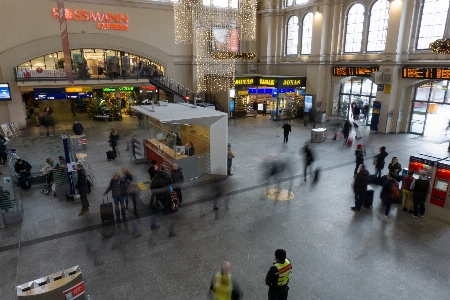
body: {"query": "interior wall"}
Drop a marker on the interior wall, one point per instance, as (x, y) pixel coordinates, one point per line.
(218, 145)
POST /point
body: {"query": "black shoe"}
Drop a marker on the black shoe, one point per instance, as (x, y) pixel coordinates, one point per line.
(405, 209)
(117, 219)
(355, 208)
(215, 208)
(155, 227)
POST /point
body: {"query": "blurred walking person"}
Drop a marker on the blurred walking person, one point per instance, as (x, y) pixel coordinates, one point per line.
(346, 131)
(177, 181)
(223, 287)
(83, 190)
(360, 187)
(308, 160)
(230, 157)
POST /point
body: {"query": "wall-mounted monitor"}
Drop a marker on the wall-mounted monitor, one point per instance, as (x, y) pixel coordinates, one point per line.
(441, 185)
(5, 92)
(224, 39)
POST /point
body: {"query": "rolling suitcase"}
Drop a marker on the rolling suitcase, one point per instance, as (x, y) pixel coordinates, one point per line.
(110, 155)
(106, 210)
(368, 199)
(349, 142)
(174, 201)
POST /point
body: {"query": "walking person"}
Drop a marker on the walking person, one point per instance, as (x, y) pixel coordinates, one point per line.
(264, 108)
(160, 187)
(420, 187)
(255, 108)
(113, 140)
(287, 128)
(77, 128)
(360, 187)
(346, 131)
(177, 181)
(230, 157)
(132, 190)
(152, 171)
(379, 158)
(36, 116)
(83, 190)
(119, 189)
(389, 193)
(278, 276)
(359, 153)
(407, 201)
(223, 287)
(309, 158)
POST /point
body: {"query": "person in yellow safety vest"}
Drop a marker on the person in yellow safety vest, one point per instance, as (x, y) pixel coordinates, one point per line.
(222, 286)
(278, 276)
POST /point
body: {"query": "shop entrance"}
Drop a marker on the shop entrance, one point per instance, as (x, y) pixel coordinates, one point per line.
(362, 92)
(430, 113)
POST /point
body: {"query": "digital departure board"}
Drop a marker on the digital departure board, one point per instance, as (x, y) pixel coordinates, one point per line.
(354, 71)
(426, 73)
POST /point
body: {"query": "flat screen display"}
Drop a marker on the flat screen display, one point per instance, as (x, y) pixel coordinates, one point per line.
(441, 185)
(224, 39)
(308, 103)
(5, 93)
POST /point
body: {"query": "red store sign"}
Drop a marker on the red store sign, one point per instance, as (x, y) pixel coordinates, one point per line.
(104, 20)
(148, 88)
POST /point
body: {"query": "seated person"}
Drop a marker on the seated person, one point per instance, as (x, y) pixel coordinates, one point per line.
(47, 170)
(22, 169)
(189, 149)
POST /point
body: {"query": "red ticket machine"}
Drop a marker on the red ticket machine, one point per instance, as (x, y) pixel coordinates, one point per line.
(440, 185)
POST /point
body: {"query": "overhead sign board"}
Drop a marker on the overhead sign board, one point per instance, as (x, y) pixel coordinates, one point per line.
(426, 73)
(354, 71)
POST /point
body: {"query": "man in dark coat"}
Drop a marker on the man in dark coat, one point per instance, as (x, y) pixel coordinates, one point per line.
(255, 108)
(287, 128)
(77, 128)
(360, 187)
(386, 194)
(83, 190)
(160, 187)
(309, 158)
(380, 160)
(22, 168)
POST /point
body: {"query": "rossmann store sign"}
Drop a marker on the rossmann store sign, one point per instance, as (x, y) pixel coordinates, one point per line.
(104, 20)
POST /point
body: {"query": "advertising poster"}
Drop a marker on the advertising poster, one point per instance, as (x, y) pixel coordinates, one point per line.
(65, 41)
(74, 292)
(224, 39)
(5, 93)
(375, 116)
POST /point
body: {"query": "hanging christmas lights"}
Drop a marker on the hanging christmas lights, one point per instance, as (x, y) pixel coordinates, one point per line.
(441, 46)
(216, 33)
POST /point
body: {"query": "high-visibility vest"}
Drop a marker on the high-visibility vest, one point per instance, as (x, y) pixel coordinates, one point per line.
(284, 270)
(222, 287)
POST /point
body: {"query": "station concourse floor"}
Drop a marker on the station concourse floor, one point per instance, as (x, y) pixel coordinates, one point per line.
(336, 253)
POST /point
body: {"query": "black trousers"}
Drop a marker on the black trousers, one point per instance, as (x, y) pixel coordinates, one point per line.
(286, 137)
(356, 168)
(279, 293)
(84, 202)
(419, 205)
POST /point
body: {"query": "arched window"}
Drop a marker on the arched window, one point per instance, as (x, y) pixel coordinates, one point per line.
(307, 33)
(289, 3)
(379, 16)
(300, 2)
(432, 22)
(354, 29)
(292, 36)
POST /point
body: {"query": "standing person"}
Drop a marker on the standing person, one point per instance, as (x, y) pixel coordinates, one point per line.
(160, 187)
(77, 128)
(395, 168)
(152, 171)
(360, 187)
(278, 276)
(113, 140)
(287, 128)
(119, 189)
(389, 192)
(346, 130)
(353, 106)
(22, 168)
(255, 108)
(230, 157)
(359, 153)
(177, 181)
(36, 116)
(420, 187)
(407, 201)
(309, 158)
(132, 190)
(83, 190)
(73, 107)
(48, 111)
(264, 108)
(365, 111)
(379, 165)
(222, 285)
(3, 155)
(356, 112)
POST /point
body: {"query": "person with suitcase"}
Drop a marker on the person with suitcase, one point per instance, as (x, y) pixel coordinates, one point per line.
(119, 189)
(360, 187)
(346, 131)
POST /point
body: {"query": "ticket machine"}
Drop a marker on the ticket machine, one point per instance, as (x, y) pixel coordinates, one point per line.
(421, 162)
(438, 204)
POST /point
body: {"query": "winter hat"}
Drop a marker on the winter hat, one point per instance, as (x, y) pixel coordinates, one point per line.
(359, 146)
(229, 145)
(280, 254)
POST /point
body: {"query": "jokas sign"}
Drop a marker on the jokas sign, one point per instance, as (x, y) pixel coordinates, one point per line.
(279, 82)
(105, 20)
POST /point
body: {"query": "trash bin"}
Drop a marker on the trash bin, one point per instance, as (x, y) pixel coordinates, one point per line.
(318, 135)
(78, 142)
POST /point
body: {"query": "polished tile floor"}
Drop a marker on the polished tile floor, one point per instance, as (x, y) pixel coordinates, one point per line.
(336, 253)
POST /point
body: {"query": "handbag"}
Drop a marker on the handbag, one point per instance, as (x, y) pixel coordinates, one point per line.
(375, 160)
(132, 188)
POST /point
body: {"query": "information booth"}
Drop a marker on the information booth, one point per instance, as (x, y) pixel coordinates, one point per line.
(195, 138)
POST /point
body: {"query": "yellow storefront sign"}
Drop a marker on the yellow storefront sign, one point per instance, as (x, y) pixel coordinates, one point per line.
(291, 82)
(78, 89)
(244, 81)
(269, 82)
(242, 93)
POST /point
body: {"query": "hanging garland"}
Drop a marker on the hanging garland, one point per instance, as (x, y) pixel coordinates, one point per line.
(233, 55)
(441, 46)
